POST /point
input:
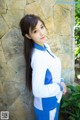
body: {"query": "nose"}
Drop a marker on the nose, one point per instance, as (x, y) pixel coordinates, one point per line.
(41, 32)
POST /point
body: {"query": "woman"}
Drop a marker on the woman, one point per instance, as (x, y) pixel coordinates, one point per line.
(43, 69)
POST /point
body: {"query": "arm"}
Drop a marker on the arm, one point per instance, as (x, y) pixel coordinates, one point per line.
(64, 86)
(38, 87)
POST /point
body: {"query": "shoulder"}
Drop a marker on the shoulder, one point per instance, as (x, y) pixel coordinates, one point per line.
(37, 56)
(36, 53)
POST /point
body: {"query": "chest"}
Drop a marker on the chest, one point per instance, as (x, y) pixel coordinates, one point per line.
(51, 60)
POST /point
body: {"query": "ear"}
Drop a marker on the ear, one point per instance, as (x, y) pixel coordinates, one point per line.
(28, 36)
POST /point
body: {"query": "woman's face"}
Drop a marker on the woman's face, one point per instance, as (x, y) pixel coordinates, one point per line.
(38, 35)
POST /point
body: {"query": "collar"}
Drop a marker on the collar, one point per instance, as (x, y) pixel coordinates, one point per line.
(39, 47)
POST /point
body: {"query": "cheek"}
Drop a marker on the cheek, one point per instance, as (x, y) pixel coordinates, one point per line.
(45, 31)
(36, 36)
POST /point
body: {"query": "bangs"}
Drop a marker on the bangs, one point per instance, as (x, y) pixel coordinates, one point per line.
(33, 24)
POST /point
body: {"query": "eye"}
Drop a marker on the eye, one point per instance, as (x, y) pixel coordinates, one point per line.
(42, 26)
(35, 31)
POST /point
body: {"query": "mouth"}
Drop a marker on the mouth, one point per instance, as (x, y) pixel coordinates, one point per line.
(43, 38)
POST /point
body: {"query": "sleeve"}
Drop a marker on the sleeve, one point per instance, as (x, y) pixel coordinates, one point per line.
(38, 76)
(62, 80)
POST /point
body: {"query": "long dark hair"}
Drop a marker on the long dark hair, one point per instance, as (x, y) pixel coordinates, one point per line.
(27, 22)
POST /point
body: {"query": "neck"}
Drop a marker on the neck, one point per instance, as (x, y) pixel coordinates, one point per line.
(41, 44)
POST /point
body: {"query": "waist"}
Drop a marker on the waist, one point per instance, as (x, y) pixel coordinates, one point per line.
(48, 103)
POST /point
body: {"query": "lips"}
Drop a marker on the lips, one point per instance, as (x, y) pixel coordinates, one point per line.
(43, 37)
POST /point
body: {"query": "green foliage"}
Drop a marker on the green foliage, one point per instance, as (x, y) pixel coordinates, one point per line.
(70, 104)
(77, 12)
(77, 29)
(77, 42)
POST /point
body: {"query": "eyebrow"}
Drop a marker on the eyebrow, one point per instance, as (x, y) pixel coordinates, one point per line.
(36, 28)
(40, 25)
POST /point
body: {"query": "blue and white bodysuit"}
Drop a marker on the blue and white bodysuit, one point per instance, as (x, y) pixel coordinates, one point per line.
(46, 82)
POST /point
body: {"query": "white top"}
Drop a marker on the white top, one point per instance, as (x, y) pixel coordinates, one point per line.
(46, 76)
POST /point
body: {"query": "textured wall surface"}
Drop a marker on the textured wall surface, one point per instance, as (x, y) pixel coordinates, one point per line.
(59, 19)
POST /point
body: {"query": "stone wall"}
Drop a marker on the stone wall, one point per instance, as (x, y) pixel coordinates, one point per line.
(59, 19)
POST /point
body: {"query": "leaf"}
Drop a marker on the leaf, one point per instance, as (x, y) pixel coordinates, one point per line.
(65, 104)
(79, 105)
(78, 87)
(71, 118)
(72, 88)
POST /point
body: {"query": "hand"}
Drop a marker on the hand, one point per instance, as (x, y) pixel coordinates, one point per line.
(64, 88)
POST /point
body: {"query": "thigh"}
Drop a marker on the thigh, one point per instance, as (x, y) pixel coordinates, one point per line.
(57, 112)
(41, 115)
(47, 114)
(54, 113)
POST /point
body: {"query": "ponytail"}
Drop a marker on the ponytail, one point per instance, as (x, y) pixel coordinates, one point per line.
(28, 47)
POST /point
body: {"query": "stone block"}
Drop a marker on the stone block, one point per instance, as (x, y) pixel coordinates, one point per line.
(46, 6)
(34, 8)
(13, 16)
(30, 1)
(19, 110)
(3, 27)
(62, 20)
(11, 92)
(1, 88)
(50, 25)
(3, 7)
(15, 4)
(12, 44)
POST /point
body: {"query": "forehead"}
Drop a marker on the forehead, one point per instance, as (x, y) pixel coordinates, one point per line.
(39, 23)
